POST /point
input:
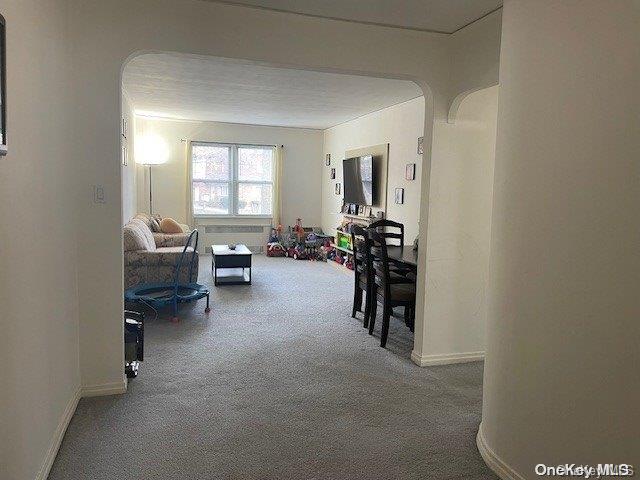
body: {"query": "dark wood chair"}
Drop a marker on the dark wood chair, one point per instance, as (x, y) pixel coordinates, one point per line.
(389, 288)
(361, 268)
(393, 233)
(383, 227)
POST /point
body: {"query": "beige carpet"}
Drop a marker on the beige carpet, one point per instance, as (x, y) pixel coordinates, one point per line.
(279, 382)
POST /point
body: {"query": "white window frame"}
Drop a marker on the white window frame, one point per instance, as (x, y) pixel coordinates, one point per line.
(233, 181)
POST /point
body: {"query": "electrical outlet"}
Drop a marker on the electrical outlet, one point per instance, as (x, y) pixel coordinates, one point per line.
(98, 194)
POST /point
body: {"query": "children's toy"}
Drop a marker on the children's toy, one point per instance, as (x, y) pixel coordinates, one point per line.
(275, 249)
(298, 229)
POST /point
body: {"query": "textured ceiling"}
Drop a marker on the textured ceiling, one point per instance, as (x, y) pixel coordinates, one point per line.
(212, 89)
(444, 16)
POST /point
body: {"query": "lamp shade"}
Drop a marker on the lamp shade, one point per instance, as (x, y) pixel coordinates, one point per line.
(151, 149)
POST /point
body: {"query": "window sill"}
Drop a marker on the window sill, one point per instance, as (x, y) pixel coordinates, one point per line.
(234, 217)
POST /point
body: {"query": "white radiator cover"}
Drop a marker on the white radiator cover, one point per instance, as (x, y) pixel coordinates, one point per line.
(252, 232)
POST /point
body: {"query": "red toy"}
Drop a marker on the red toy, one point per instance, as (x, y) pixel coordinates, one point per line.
(274, 249)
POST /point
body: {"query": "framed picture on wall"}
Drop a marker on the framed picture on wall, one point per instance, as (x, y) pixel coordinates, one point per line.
(125, 156)
(123, 127)
(410, 171)
(333, 174)
(327, 159)
(338, 190)
(400, 196)
(420, 145)
(3, 87)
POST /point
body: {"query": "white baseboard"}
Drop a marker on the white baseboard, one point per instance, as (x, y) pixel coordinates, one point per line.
(114, 388)
(446, 358)
(70, 409)
(493, 461)
(58, 435)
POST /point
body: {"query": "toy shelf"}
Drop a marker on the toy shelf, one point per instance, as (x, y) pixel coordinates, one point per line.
(359, 217)
(345, 250)
(343, 241)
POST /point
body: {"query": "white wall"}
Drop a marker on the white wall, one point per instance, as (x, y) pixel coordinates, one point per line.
(302, 163)
(461, 193)
(39, 374)
(129, 171)
(562, 369)
(399, 126)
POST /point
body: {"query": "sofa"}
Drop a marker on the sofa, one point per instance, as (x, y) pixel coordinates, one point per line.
(151, 256)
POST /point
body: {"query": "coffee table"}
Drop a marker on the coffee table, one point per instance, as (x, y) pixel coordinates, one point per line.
(229, 267)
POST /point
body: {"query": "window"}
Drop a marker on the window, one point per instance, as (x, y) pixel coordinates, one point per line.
(231, 179)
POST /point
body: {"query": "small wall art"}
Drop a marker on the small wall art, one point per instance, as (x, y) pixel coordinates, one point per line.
(333, 174)
(420, 145)
(327, 159)
(400, 196)
(338, 191)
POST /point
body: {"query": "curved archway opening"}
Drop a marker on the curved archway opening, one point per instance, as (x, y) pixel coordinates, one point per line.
(176, 204)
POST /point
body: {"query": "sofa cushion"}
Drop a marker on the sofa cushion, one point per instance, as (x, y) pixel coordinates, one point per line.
(146, 232)
(133, 238)
(144, 218)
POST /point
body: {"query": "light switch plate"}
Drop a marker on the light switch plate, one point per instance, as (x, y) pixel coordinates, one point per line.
(98, 194)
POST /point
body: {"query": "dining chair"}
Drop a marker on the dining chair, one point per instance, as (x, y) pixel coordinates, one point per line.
(395, 235)
(361, 251)
(388, 288)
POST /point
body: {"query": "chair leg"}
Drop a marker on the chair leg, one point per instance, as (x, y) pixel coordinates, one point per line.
(357, 301)
(207, 310)
(412, 318)
(367, 308)
(386, 317)
(374, 309)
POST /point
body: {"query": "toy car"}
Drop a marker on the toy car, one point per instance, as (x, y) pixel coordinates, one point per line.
(275, 249)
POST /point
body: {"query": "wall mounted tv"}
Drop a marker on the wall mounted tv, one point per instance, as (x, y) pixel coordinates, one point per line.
(360, 179)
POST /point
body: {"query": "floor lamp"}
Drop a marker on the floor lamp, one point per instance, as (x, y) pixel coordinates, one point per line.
(153, 152)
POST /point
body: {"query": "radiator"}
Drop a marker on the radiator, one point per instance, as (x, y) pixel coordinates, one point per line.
(253, 236)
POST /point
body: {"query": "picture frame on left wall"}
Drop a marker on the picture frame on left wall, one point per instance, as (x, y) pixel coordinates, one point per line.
(125, 156)
(338, 190)
(3, 87)
(327, 159)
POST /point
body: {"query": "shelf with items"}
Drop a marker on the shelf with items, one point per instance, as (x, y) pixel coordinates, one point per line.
(359, 217)
(343, 241)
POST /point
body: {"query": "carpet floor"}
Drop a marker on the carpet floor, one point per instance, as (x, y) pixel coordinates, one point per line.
(279, 382)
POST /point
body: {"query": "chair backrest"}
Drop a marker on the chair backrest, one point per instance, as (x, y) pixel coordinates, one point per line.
(381, 266)
(188, 256)
(361, 250)
(382, 226)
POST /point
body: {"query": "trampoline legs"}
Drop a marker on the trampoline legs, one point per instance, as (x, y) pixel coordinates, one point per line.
(175, 318)
(207, 310)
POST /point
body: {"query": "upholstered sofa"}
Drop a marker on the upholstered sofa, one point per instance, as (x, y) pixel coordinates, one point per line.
(151, 257)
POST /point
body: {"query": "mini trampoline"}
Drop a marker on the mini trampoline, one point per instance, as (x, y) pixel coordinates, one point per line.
(159, 295)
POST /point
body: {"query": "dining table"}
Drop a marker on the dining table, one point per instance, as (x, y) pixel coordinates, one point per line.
(403, 254)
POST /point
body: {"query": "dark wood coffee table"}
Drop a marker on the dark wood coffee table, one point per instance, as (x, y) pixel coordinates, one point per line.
(229, 267)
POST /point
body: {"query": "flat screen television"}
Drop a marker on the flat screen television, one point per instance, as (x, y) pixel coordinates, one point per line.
(359, 177)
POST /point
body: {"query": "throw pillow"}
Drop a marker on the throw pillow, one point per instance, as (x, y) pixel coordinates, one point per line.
(169, 225)
(155, 225)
